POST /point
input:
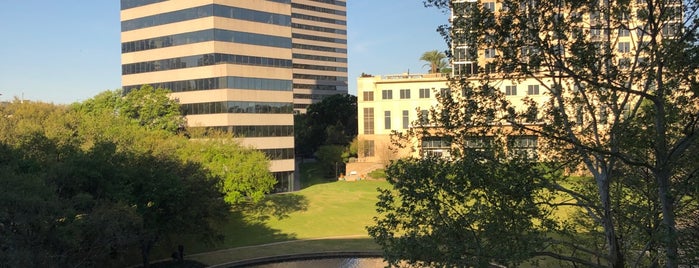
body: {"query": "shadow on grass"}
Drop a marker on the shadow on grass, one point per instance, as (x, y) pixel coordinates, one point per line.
(278, 206)
(244, 227)
(313, 173)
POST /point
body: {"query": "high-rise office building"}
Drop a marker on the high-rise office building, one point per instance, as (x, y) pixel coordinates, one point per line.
(319, 46)
(239, 66)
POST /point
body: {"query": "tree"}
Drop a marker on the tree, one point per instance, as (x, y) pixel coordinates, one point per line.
(332, 121)
(623, 108)
(435, 60)
(84, 184)
(153, 108)
(150, 107)
(244, 172)
(330, 159)
(462, 213)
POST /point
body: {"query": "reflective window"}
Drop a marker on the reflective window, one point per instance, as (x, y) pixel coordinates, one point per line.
(251, 15)
(319, 87)
(511, 90)
(318, 58)
(368, 149)
(232, 82)
(387, 119)
(237, 107)
(320, 77)
(318, 9)
(424, 93)
(368, 120)
(279, 153)
(523, 146)
(405, 93)
(256, 131)
(319, 68)
(303, 96)
(406, 119)
(285, 179)
(206, 35)
(319, 19)
(332, 2)
(319, 38)
(533, 90)
(126, 4)
(319, 48)
(368, 95)
(386, 94)
(318, 28)
(201, 60)
(206, 11)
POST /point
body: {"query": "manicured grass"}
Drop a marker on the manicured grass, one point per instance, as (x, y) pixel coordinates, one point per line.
(326, 215)
(334, 209)
(312, 174)
(378, 174)
(339, 210)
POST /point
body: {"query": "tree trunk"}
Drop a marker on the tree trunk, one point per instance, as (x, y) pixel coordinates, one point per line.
(667, 206)
(616, 258)
(146, 246)
(662, 172)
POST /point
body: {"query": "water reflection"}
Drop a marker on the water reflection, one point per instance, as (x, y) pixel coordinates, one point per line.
(330, 262)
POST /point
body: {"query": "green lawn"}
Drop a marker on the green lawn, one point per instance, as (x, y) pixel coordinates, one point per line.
(326, 215)
(336, 211)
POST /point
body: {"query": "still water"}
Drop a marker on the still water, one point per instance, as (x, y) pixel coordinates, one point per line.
(329, 263)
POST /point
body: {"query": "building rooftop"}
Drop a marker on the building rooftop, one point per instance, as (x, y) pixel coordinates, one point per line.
(407, 76)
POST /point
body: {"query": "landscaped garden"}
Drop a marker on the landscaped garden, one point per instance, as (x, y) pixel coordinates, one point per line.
(324, 216)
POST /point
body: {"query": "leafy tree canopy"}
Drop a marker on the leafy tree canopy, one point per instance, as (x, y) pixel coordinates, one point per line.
(332, 121)
(622, 110)
(85, 184)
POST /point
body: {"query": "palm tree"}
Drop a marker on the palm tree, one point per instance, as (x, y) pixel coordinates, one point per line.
(435, 60)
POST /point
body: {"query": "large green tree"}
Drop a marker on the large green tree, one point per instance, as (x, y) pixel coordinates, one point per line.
(150, 107)
(462, 213)
(244, 172)
(332, 121)
(84, 184)
(622, 108)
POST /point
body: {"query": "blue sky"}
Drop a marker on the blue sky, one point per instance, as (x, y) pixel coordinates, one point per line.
(63, 52)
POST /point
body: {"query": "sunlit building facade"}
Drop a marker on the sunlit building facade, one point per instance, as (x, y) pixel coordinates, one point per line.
(239, 66)
(388, 104)
(393, 103)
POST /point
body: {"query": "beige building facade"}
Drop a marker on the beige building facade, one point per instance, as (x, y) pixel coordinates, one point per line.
(239, 66)
(389, 104)
(393, 104)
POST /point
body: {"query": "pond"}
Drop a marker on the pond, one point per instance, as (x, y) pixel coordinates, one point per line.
(327, 262)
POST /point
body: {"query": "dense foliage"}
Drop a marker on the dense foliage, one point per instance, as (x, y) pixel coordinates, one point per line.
(89, 183)
(332, 121)
(326, 131)
(624, 118)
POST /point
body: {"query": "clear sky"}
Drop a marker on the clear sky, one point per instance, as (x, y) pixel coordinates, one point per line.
(63, 52)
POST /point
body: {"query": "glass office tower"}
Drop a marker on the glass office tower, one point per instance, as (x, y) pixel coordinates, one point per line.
(239, 66)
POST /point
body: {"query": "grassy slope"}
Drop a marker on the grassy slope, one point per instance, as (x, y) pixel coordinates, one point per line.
(338, 209)
(334, 209)
(290, 223)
